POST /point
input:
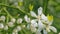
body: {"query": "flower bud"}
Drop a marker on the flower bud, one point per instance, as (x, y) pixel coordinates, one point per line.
(1, 26)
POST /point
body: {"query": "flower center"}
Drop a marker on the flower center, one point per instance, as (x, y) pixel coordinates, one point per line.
(38, 17)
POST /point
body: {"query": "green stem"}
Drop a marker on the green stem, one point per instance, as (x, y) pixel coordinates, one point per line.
(21, 32)
(45, 5)
(7, 19)
(1, 11)
(16, 8)
(24, 12)
(25, 31)
(7, 13)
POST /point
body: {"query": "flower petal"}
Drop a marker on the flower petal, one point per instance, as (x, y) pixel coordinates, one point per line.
(1, 25)
(19, 20)
(3, 18)
(18, 28)
(34, 23)
(6, 27)
(27, 19)
(43, 17)
(39, 11)
(13, 20)
(53, 29)
(44, 31)
(28, 26)
(38, 32)
(40, 25)
(50, 23)
(33, 14)
(10, 24)
(48, 30)
(59, 33)
(33, 29)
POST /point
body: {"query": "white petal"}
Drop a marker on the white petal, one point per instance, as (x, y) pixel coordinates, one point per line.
(50, 23)
(28, 26)
(44, 31)
(33, 14)
(23, 26)
(5, 27)
(14, 32)
(38, 32)
(2, 18)
(18, 28)
(20, 0)
(13, 20)
(59, 33)
(33, 29)
(15, 4)
(40, 24)
(47, 29)
(27, 19)
(19, 20)
(43, 17)
(10, 24)
(1, 25)
(34, 23)
(53, 29)
(39, 11)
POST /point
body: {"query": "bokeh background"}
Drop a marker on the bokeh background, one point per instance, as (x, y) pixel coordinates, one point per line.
(51, 7)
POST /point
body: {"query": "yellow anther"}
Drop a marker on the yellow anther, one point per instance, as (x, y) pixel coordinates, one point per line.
(30, 7)
(20, 3)
(50, 18)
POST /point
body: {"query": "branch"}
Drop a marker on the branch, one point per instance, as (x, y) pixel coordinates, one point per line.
(15, 8)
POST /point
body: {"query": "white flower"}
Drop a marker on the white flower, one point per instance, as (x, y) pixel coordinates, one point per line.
(15, 4)
(33, 23)
(45, 32)
(13, 20)
(33, 29)
(5, 27)
(27, 19)
(41, 18)
(39, 13)
(53, 29)
(33, 14)
(12, 1)
(14, 32)
(40, 10)
(38, 32)
(23, 26)
(44, 18)
(48, 28)
(10, 24)
(19, 20)
(1, 26)
(40, 25)
(2, 18)
(59, 33)
(20, 0)
(28, 26)
(18, 28)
